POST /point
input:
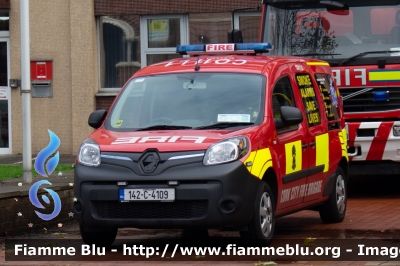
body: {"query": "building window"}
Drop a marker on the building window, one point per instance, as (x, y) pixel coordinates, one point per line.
(160, 36)
(249, 23)
(4, 22)
(209, 27)
(119, 46)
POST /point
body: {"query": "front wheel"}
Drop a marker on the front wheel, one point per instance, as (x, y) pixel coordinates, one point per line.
(91, 235)
(262, 224)
(334, 210)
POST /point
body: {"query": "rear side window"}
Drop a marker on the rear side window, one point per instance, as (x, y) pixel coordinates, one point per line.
(330, 97)
(310, 102)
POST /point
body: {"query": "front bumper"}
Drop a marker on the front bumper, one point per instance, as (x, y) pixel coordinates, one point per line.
(206, 196)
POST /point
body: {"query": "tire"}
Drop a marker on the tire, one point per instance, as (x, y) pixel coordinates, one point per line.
(98, 237)
(334, 210)
(262, 225)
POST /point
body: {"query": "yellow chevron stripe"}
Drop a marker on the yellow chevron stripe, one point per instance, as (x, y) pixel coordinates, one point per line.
(261, 161)
(322, 156)
(343, 142)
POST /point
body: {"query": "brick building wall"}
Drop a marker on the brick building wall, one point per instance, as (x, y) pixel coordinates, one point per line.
(104, 102)
(5, 4)
(64, 32)
(208, 22)
(118, 7)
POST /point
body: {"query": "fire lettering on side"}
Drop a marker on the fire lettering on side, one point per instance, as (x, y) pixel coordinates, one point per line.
(356, 73)
(158, 139)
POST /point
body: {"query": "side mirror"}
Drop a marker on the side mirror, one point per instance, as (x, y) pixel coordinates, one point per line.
(290, 116)
(96, 118)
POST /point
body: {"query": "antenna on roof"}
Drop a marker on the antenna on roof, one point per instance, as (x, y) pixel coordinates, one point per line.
(197, 67)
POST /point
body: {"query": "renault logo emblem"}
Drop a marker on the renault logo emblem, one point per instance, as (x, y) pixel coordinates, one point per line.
(149, 162)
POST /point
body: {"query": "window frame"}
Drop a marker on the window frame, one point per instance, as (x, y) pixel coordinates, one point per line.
(145, 50)
(295, 104)
(236, 17)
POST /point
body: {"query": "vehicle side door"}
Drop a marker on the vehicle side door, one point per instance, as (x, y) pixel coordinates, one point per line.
(292, 158)
(318, 137)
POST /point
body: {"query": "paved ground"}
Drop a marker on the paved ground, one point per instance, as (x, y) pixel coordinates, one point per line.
(373, 213)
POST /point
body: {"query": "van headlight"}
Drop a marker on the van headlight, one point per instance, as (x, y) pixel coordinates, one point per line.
(226, 151)
(89, 153)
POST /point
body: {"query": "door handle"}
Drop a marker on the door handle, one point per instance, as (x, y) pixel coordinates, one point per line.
(304, 146)
(312, 144)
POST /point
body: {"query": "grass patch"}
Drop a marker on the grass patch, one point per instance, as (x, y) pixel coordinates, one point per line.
(15, 171)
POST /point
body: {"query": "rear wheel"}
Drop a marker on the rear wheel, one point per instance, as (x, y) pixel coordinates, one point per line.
(334, 210)
(97, 236)
(262, 224)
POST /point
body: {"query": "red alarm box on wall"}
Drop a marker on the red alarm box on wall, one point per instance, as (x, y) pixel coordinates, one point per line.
(41, 79)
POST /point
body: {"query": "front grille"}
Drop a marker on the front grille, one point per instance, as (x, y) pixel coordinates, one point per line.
(152, 210)
(365, 102)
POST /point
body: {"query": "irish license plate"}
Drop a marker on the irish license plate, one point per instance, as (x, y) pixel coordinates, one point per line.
(147, 194)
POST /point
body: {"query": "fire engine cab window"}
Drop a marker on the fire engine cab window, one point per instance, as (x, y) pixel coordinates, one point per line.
(189, 100)
(310, 102)
(282, 96)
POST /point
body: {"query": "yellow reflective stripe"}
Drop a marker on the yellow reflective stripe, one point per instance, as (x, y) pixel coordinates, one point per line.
(384, 75)
(317, 63)
(322, 154)
(267, 165)
(294, 154)
(250, 159)
(261, 163)
(343, 142)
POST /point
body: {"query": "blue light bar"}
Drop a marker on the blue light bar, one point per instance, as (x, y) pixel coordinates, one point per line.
(183, 49)
(256, 47)
(223, 48)
(381, 96)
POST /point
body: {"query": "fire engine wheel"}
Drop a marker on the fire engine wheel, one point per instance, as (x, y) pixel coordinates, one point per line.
(334, 210)
(98, 237)
(262, 224)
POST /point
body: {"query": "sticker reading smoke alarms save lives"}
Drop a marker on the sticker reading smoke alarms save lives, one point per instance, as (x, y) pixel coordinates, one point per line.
(233, 118)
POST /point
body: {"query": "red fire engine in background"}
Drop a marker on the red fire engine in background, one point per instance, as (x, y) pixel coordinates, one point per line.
(361, 41)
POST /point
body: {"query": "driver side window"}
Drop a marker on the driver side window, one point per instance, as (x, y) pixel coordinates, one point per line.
(282, 95)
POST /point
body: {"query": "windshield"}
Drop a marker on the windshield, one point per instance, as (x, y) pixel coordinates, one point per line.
(309, 28)
(190, 100)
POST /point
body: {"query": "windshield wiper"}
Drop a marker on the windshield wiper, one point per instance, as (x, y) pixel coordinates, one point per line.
(163, 127)
(225, 125)
(365, 53)
(313, 54)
